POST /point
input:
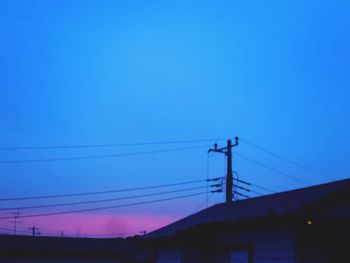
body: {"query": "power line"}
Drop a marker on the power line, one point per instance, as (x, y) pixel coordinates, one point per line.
(250, 184)
(11, 230)
(103, 200)
(249, 190)
(111, 145)
(102, 156)
(107, 207)
(109, 191)
(6, 229)
(60, 232)
(203, 203)
(255, 185)
(256, 192)
(272, 169)
(287, 160)
(56, 232)
(243, 188)
(113, 235)
(264, 188)
(243, 195)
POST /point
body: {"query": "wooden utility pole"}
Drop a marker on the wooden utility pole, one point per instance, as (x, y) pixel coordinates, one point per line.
(34, 229)
(15, 221)
(229, 178)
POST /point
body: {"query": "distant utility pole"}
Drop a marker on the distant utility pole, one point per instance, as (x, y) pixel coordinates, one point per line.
(229, 179)
(33, 228)
(15, 221)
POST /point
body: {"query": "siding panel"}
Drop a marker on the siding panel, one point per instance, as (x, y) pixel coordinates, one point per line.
(268, 245)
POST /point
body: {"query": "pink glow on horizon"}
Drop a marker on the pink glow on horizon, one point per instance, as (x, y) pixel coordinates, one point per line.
(98, 224)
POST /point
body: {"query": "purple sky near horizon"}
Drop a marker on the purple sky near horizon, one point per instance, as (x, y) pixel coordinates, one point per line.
(96, 72)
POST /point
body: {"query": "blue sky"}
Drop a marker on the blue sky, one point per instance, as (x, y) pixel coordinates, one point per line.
(87, 72)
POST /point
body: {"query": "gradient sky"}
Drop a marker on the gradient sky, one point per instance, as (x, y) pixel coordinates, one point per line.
(275, 73)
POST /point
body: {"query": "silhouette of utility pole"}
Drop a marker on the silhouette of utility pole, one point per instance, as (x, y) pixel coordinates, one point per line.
(33, 228)
(15, 221)
(228, 152)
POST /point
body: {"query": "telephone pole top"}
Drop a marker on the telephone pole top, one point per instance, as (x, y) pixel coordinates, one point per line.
(229, 179)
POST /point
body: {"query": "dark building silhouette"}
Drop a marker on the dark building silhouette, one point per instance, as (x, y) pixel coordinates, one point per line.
(309, 225)
(27, 249)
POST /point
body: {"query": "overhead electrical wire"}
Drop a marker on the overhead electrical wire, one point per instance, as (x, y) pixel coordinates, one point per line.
(110, 145)
(208, 197)
(17, 230)
(264, 188)
(272, 169)
(102, 200)
(44, 231)
(279, 156)
(105, 156)
(239, 187)
(257, 193)
(105, 207)
(247, 190)
(61, 233)
(257, 186)
(138, 188)
(6, 229)
(240, 194)
(113, 235)
(108, 191)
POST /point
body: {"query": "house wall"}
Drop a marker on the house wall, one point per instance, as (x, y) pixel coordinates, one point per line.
(325, 242)
(266, 245)
(168, 255)
(327, 239)
(317, 249)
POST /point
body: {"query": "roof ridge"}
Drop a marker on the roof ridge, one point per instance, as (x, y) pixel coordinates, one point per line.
(281, 203)
(299, 189)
